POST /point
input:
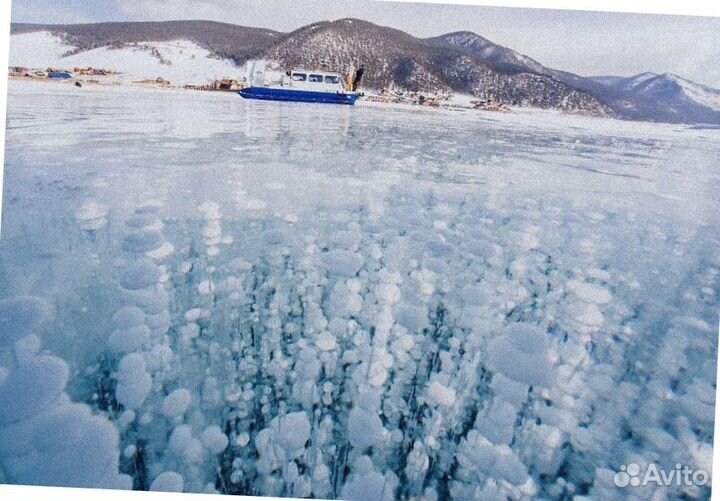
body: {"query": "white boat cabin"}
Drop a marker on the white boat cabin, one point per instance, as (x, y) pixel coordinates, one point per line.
(314, 81)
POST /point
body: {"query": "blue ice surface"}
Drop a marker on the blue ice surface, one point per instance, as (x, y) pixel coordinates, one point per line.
(339, 290)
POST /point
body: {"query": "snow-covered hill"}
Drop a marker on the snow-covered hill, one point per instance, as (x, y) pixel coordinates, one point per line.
(491, 53)
(37, 50)
(397, 60)
(229, 41)
(180, 62)
(666, 97)
(646, 96)
(631, 84)
(668, 87)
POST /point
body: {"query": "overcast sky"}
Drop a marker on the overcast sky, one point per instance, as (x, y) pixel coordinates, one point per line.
(587, 43)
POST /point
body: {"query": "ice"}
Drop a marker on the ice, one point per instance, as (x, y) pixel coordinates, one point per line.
(242, 440)
(590, 292)
(365, 428)
(697, 323)
(144, 221)
(293, 431)
(32, 387)
(344, 302)
(441, 394)
(92, 216)
(363, 487)
(413, 317)
(129, 340)
(159, 322)
(144, 241)
(126, 419)
(184, 446)
(478, 455)
(141, 275)
(162, 252)
(167, 481)
(193, 315)
(497, 422)
(153, 301)
(342, 262)
(180, 439)
(72, 436)
(46, 439)
(127, 317)
(134, 382)
(326, 341)
(214, 439)
(411, 303)
(210, 210)
(521, 355)
(177, 403)
(27, 348)
(283, 440)
(586, 314)
(19, 316)
(388, 293)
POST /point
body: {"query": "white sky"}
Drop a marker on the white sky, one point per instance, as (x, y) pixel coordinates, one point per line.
(588, 43)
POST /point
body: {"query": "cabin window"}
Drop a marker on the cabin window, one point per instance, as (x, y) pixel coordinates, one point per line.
(299, 77)
(315, 78)
(332, 79)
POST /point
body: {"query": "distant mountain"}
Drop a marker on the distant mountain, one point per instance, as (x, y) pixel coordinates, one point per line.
(395, 59)
(498, 57)
(672, 98)
(647, 96)
(668, 87)
(228, 41)
(460, 62)
(607, 80)
(625, 84)
(179, 62)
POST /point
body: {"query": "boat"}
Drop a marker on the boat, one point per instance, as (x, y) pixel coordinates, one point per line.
(307, 87)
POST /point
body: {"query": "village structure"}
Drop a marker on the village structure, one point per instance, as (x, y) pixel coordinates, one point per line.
(57, 73)
(433, 101)
(81, 74)
(226, 84)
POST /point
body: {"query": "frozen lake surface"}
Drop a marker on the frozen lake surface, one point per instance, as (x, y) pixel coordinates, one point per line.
(360, 303)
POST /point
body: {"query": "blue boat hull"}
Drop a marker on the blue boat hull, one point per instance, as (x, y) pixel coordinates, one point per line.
(301, 96)
(59, 75)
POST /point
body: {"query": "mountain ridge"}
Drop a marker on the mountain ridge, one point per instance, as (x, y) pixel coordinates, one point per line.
(622, 94)
(230, 41)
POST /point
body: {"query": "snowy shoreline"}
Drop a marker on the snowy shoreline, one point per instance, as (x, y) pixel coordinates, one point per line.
(521, 113)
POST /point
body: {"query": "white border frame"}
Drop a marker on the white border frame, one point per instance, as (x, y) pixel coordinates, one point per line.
(22, 493)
